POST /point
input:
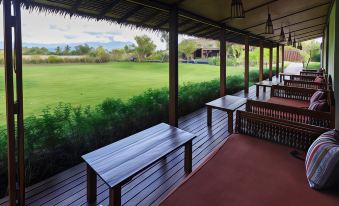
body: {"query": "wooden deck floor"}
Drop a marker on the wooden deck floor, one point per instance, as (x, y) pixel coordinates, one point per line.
(149, 187)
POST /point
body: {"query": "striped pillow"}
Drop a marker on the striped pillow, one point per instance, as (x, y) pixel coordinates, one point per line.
(322, 161)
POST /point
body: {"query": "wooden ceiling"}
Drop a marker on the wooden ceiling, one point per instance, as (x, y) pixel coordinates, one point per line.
(203, 18)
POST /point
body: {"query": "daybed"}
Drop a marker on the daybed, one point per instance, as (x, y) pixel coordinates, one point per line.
(247, 170)
(293, 114)
(297, 97)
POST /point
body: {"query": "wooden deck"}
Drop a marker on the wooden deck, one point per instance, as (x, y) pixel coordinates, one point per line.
(149, 187)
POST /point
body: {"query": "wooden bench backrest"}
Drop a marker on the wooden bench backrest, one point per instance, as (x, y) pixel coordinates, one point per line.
(296, 135)
(304, 84)
(293, 114)
(302, 78)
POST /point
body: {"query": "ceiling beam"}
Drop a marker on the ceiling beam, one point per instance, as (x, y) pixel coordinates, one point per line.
(76, 5)
(162, 23)
(130, 13)
(200, 19)
(206, 28)
(288, 15)
(306, 38)
(151, 16)
(299, 30)
(297, 23)
(108, 8)
(251, 9)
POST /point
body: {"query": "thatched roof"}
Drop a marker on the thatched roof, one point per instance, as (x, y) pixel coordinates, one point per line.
(201, 18)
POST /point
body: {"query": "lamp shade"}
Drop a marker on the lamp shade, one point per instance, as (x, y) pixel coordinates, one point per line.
(269, 25)
(282, 37)
(237, 9)
(289, 42)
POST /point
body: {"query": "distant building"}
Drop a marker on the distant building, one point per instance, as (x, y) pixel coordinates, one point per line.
(204, 53)
(206, 48)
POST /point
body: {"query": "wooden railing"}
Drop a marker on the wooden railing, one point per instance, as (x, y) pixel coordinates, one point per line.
(309, 73)
(297, 135)
(294, 114)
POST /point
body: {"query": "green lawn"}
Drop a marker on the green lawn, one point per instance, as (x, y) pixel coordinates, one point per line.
(314, 65)
(89, 84)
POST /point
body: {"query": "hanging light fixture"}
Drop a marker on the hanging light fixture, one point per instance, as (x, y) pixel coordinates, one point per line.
(294, 42)
(269, 24)
(289, 42)
(282, 37)
(300, 46)
(237, 9)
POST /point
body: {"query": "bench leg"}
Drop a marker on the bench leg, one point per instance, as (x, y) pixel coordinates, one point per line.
(188, 157)
(209, 116)
(91, 185)
(257, 91)
(115, 196)
(230, 122)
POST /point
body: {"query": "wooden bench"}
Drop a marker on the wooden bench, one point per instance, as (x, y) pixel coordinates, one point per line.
(293, 114)
(117, 163)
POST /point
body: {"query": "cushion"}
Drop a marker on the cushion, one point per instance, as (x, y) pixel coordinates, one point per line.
(320, 105)
(322, 161)
(319, 79)
(248, 171)
(318, 95)
(289, 102)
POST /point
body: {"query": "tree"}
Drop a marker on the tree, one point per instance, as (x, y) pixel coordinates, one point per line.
(164, 38)
(67, 50)
(58, 51)
(144, 48)
(310, 47)
(188, 47)
(83, 49)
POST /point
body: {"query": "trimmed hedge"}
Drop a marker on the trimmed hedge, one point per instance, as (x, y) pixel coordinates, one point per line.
(56, 139)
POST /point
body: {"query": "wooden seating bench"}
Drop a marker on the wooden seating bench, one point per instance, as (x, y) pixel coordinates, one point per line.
(117, 163)
(254, 167)
(294, 114)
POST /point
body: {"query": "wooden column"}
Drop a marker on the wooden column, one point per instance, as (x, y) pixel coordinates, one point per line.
(247, 65)
(173, 67)
(14, 104)
(282, 58)
(261, 62)
(271, 63)
(327, 47)
(222, 63)
(277, 63)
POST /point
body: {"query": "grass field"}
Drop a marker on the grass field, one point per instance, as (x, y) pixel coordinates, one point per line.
(89, 84)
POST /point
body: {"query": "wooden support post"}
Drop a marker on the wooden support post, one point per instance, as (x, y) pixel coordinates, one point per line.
(261, 62)
(271, 63)
(327, 47)
(91, 185)
(282, 58)
(9, 101)
(247, 66)
(19, 101)
(173, 67)
(277, 62)
(14, 106)
(115, 196)
(222, 62)
(188, 157)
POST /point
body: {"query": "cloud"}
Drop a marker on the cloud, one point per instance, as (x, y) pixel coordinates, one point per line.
(71, 36)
